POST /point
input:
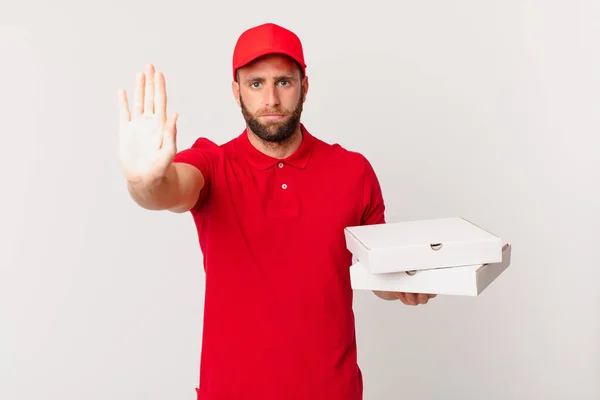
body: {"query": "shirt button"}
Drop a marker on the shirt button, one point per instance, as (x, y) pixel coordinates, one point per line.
(280, 165)
(284, 186)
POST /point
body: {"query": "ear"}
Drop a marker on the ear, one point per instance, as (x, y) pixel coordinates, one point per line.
(235, 89)
(305, 86)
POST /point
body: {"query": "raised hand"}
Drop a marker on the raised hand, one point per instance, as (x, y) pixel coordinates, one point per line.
(147, 138)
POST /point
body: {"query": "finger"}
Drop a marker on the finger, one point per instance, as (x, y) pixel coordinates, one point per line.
(160, 93)
(124, 112)
(411, 298)
(408, 298)
(149, 91)
(169, 142)
(422, 298)
(139, 94)
(401, 296)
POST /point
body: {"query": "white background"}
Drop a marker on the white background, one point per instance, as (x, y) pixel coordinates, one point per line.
(488, 110)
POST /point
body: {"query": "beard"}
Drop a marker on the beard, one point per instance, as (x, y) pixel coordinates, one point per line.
(274, 131)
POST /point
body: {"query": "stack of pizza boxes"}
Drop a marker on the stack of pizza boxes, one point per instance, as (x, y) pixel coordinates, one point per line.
(446, 256)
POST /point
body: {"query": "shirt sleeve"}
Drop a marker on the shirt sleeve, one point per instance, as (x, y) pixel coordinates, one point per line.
(203, 155)
(372, 198)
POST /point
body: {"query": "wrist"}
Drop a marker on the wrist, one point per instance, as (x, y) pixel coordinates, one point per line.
(147, 184)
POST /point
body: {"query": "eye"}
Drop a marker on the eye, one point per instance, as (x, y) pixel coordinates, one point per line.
(284, 83)
(255, 84)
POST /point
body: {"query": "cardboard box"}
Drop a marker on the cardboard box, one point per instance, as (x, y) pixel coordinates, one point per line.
(421, 245)
(468, 280)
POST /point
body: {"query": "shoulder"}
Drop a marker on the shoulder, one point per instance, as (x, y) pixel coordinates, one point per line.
(352, 160)
(203, 143)
(203, 153)
(226, 147)
(209, 148)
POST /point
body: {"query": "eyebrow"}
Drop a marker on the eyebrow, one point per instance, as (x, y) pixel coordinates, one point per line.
(276, 78)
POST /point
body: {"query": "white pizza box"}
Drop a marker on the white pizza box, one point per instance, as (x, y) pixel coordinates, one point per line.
(468, 280)
(422, 244)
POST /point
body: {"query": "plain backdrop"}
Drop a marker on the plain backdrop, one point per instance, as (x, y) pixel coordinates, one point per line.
(489, 110)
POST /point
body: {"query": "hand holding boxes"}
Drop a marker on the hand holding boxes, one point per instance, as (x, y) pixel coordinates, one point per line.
(436, 256)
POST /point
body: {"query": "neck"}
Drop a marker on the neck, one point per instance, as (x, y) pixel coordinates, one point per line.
(279, 150)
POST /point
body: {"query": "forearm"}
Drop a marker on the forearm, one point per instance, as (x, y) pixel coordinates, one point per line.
(160, 195)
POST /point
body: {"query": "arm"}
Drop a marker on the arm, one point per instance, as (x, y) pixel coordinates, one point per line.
(374, 214)
(374, 210)
(177, 191)
(158, 177)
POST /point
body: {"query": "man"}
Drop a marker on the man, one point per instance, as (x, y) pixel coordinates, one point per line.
(270, 207)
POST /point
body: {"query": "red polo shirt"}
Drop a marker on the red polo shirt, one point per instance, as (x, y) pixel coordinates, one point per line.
(278, 318)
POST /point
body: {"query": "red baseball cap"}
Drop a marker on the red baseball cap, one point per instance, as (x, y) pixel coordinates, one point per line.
(266, 39)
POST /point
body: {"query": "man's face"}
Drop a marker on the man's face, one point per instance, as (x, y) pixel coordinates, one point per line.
(271, 93)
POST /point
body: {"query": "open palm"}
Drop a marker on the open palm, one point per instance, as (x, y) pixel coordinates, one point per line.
(147, 138)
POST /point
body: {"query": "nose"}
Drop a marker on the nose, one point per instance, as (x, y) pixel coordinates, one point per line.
(271, 96)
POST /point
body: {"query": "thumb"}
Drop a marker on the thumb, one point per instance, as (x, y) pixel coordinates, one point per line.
(170, 134)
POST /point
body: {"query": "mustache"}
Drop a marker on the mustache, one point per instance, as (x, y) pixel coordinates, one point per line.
(278, 111)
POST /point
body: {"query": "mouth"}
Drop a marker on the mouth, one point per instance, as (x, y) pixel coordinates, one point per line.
(272, 116)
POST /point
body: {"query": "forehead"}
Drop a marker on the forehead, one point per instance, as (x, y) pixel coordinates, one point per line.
(270, 65)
